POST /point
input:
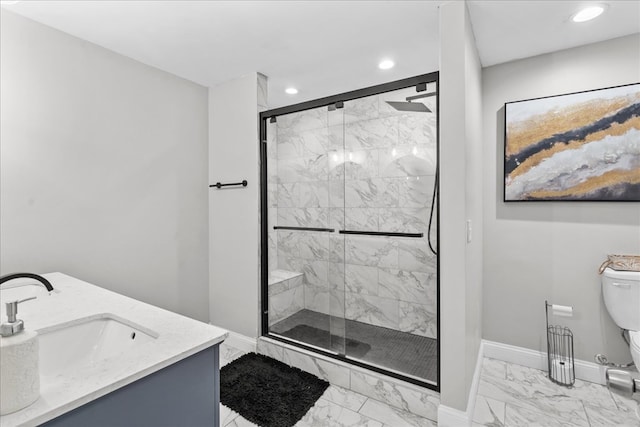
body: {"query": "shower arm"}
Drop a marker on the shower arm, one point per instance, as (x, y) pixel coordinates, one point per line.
(423, 95)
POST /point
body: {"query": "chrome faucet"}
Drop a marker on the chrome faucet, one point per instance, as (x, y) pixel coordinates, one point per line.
(37, 277)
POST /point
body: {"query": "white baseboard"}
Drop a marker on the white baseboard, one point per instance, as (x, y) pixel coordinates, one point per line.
(586, 371)
(475, 383)
(241, 342)
(449, 417)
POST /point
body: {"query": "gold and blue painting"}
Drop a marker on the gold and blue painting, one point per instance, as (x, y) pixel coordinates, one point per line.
(579, 146)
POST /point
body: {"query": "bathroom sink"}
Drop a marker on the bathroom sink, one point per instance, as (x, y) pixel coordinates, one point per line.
(82, 345)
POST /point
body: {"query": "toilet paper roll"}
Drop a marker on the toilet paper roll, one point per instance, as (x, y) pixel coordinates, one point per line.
(562, 371)
(561, 310)
(562, 366)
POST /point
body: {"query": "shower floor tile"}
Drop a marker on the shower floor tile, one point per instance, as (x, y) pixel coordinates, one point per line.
(402, 352)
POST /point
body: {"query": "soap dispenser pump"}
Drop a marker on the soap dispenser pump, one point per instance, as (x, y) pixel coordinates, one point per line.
(19, 370)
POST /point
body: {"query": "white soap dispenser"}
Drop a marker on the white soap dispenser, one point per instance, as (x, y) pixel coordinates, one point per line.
(19, 355)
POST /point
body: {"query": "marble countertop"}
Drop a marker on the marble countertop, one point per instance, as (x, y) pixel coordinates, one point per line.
(73, 300)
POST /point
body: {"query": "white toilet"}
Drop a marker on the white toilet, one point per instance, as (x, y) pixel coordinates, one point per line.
(621, 293)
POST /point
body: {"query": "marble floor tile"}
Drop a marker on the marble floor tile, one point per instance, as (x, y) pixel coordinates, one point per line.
(241, 422)
(538, 380)
(516, 416)
(337, 407)
(595, 394)
(601, 417)
(325, 413)
(526, 375)
(531, 399)
(626, 405)
(489, 412)
(392, 416)
(508, 396)
(226, 415)
(535, 398)
(229, 354)
(494, 368)
(345, 398)
(500, 389)
(533, 395)
(534, 378)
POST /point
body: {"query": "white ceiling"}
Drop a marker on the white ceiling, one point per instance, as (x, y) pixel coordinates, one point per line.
(508, 30)
(320, 47)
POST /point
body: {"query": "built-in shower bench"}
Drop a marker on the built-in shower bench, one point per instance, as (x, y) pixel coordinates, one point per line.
(286, 294)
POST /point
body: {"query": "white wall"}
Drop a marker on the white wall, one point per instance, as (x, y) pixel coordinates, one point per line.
(103, 169)
(552, 250)
(234, 241)
(473, 200)
(460, 173)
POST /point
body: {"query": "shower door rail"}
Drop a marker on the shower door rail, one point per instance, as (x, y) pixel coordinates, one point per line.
(381, 233)
(326, 230)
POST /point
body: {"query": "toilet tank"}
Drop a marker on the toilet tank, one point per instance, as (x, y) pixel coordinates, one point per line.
(621, 293)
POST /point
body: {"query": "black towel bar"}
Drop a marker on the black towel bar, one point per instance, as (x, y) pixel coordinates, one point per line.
(220, 185)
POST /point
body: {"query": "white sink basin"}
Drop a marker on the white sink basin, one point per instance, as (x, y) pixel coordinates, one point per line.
(83, 344)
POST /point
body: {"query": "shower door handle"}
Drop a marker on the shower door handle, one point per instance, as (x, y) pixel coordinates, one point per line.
(326, 230)
(381, 233)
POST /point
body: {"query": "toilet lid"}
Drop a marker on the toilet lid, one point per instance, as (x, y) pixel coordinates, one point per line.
(635, 340)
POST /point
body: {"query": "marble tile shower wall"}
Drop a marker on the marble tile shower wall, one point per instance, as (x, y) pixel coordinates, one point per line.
(365, 167)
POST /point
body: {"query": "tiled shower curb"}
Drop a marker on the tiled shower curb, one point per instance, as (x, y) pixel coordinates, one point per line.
(402, 395)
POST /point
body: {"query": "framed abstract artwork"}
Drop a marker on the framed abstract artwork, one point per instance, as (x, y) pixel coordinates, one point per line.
(580, 146)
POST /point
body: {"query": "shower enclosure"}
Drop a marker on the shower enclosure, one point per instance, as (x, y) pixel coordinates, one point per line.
(350, 227)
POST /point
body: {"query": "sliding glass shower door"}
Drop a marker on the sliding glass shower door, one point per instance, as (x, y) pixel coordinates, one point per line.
(305, 195)
(352, 229)
(390, 272)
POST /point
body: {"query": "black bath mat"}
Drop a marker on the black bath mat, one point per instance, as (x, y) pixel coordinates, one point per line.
(321, 338)
(267, 392)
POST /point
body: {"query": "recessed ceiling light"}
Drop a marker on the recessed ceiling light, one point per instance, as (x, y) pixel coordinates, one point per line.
(291, 90)
(588, 13)
(386, 64)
